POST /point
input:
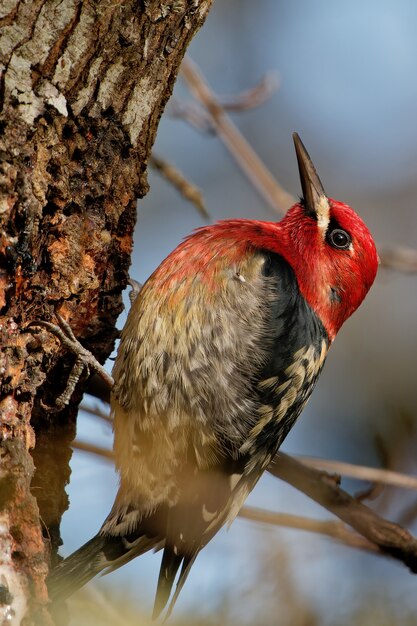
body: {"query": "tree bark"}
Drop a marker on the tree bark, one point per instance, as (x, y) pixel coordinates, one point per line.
(82, 88)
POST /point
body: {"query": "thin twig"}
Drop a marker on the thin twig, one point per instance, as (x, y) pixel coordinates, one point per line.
(198, 117)
(192, 113)
(399, 258)
(372, 492)
(188, 190)
(408, 515)
(97, 412)
(331, 528)
(251, 98)
(105, 453)
(97, 388)
(373, 474)
(262, 179)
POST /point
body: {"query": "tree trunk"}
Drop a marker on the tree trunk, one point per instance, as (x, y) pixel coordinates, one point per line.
(82, 89)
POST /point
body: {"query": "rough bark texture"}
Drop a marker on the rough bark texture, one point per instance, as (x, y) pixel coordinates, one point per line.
(82, 88)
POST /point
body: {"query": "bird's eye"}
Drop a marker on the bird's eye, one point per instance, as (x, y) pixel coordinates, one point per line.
(339, 239)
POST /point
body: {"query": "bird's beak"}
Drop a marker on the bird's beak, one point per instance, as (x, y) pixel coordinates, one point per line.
(316, 203)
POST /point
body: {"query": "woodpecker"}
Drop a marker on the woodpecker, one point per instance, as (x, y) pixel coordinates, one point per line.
(220, 352)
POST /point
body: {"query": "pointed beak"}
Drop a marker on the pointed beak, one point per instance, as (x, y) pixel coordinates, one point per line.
(316, 202)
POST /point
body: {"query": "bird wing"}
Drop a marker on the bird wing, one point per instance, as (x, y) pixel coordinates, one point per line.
(208, 374)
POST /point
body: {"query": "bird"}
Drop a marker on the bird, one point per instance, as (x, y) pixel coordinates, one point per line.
(219, 354)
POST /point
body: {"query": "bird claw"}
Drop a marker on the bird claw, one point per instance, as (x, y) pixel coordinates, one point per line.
(63, 332)
(136, 287)
(85, 362)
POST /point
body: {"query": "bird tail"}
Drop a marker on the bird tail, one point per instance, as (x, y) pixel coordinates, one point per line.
(102, 554)
(213, 498)
(171, 561)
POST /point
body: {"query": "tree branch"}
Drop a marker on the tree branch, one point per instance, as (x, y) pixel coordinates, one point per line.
(373, 474)
(330, 528)
(249, 161)
(187, 189)
(390, 538)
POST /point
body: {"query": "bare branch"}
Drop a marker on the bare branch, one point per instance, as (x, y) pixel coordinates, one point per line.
(373, 474)
(331, 528)
(409, 515)
(192, 113)
(262, 179)
(372, 492)
(187, 189)
(198, 117)
(399, 258)
(361, 472)
(251, 98)
(390, 538)
(105, 453)
(97, 412)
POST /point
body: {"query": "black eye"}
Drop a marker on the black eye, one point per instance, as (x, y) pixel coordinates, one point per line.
(339, 239)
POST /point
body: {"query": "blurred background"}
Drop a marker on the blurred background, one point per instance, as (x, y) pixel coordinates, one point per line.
(347, 85)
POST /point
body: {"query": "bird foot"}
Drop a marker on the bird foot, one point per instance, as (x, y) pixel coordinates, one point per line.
(85, 362)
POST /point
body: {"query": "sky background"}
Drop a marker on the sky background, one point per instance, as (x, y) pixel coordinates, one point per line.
(348, 86)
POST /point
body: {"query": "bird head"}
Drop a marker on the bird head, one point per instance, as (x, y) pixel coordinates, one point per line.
(329, 247)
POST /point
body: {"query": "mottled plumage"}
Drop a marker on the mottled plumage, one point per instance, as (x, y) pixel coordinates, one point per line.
(220, 353)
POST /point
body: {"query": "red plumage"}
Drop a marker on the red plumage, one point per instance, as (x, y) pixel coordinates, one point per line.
(297, 239)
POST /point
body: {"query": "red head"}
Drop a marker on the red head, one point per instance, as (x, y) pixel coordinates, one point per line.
(326, 243)
(332, 251)
(335, 262)
(329, 247)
